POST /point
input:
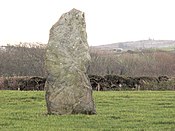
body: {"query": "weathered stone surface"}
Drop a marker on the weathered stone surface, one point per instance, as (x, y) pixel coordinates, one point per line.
(68, 90)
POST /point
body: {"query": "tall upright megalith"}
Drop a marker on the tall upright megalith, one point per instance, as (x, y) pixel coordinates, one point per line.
(68, 90)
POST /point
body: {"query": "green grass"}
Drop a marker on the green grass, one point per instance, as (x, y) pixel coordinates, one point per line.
(124, 110)
(171, 48)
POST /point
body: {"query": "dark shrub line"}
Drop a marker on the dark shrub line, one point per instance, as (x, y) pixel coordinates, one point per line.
(99, 83)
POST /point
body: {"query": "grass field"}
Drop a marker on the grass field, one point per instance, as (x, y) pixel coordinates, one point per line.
(125, 111)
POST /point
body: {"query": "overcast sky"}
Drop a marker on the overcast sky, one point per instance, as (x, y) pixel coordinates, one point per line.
(108, 21)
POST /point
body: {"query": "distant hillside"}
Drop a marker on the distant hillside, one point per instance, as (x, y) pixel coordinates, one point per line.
(138, 45)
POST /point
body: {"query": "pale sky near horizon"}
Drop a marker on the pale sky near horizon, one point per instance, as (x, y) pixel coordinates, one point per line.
(108, 21)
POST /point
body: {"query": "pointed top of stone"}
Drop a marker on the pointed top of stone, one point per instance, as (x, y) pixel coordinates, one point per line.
(75, 12)
(74, 17)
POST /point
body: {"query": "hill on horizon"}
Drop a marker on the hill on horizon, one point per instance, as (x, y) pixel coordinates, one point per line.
(138, 45)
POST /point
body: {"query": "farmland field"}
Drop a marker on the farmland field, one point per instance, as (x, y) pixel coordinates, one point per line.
(117, 110)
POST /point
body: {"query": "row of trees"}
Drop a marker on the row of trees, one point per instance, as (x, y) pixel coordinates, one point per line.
(151, 63)
(24, 59)
(28, 60)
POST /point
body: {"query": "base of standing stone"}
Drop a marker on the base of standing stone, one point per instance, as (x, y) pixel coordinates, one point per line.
(75, 99)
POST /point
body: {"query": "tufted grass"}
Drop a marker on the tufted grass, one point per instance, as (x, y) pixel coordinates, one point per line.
(123, 110)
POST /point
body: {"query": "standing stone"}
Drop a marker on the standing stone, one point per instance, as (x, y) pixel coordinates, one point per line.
(68, 90)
